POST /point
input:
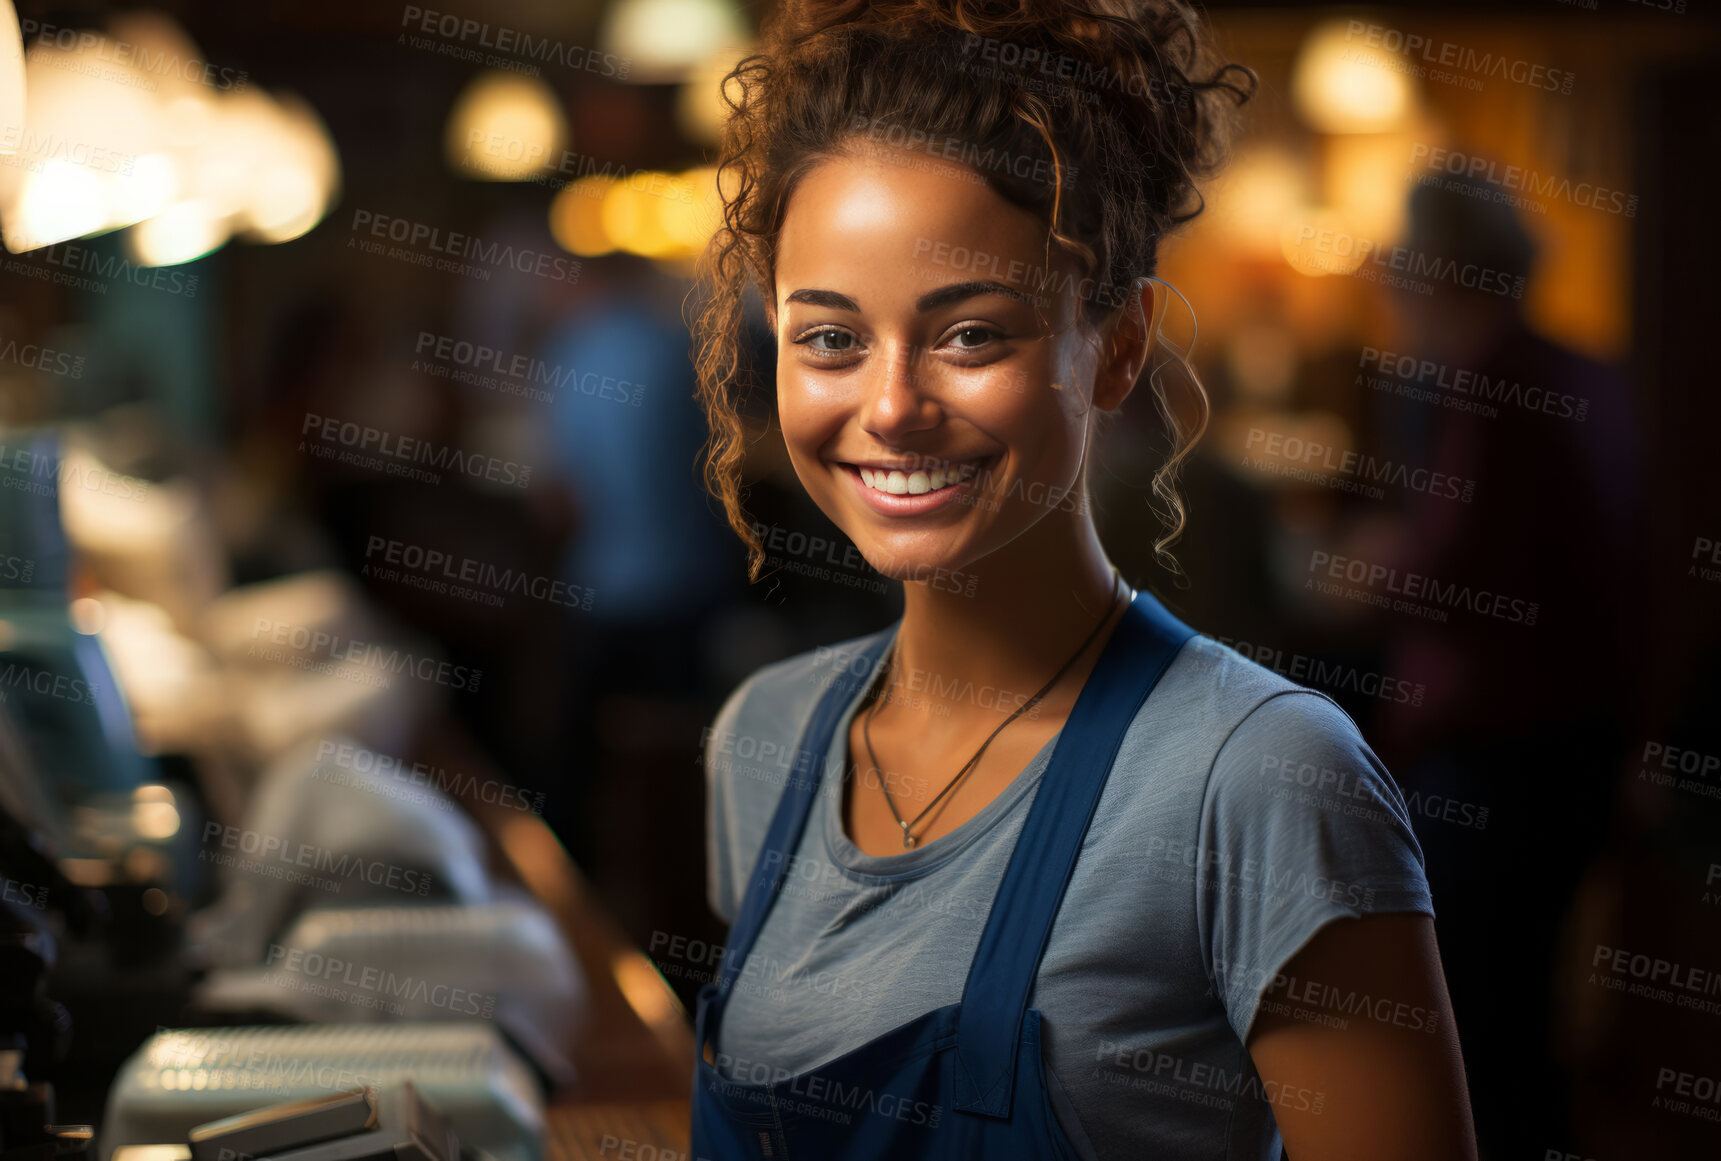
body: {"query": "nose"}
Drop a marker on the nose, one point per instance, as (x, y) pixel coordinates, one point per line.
(896, 401)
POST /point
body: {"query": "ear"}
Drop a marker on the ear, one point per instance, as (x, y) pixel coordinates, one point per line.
(1128, 339)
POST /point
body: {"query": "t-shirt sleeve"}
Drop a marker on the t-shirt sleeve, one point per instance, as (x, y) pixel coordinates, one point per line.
(1301, 825)
(721, 817)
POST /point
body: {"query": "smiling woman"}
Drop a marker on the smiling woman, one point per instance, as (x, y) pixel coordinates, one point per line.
(1108, 919)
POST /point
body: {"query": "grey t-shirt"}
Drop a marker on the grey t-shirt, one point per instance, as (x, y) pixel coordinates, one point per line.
(1242, 814)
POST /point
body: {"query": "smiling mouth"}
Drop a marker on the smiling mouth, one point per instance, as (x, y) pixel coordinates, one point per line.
(920, 480)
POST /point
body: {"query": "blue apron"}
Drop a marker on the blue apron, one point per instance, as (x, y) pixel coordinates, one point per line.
(965, 1080)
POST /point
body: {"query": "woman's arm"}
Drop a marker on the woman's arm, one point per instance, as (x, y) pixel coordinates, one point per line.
(1360, 1017)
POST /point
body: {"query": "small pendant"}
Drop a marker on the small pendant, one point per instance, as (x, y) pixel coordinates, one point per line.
(907, 839)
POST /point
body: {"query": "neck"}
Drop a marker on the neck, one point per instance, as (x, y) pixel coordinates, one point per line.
(1009, 621)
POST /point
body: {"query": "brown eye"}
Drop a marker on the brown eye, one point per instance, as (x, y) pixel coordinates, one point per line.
(842, 341)
(973, 338)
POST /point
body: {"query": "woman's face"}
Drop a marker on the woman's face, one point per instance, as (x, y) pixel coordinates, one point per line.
(930, 410)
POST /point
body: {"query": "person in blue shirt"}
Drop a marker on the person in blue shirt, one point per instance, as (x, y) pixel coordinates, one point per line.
(645, 566)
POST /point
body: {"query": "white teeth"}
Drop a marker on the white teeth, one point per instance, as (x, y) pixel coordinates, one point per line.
(899, 483)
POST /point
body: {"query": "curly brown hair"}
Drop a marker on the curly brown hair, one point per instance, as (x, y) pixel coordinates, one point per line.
(1127, 94)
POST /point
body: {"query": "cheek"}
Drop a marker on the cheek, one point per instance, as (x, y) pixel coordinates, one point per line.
(1049, 424)
(809, 416)
(1054, 409)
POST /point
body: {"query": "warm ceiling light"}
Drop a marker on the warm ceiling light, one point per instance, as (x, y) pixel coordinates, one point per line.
(692, 224)
(1261, 188)
(176, 67)
(700, 109)
(291, 184)
(630, 218)
(86, 128)
(1342, 84)
(1319, 240)
(184, 231)
(665, 41)
(58, 202)
(188, 154)
(504, 127)
(11, 79)
(577, 217)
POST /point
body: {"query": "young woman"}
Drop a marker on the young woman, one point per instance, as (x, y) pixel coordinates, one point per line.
(1034, 871)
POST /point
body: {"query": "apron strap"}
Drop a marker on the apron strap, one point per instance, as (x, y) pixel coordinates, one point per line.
(793, 807)
(989, 1025)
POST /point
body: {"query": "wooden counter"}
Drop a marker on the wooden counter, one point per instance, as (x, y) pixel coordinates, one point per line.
(635, 1057)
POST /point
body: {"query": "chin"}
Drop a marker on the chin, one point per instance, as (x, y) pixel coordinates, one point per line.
(943, 569)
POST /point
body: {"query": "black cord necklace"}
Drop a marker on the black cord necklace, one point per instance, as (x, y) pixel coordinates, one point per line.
(908, 837)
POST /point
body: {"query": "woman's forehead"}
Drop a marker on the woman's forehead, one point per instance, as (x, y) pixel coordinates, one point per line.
(884, 213)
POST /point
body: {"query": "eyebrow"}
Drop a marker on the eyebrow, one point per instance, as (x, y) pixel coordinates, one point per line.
(931, 300)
